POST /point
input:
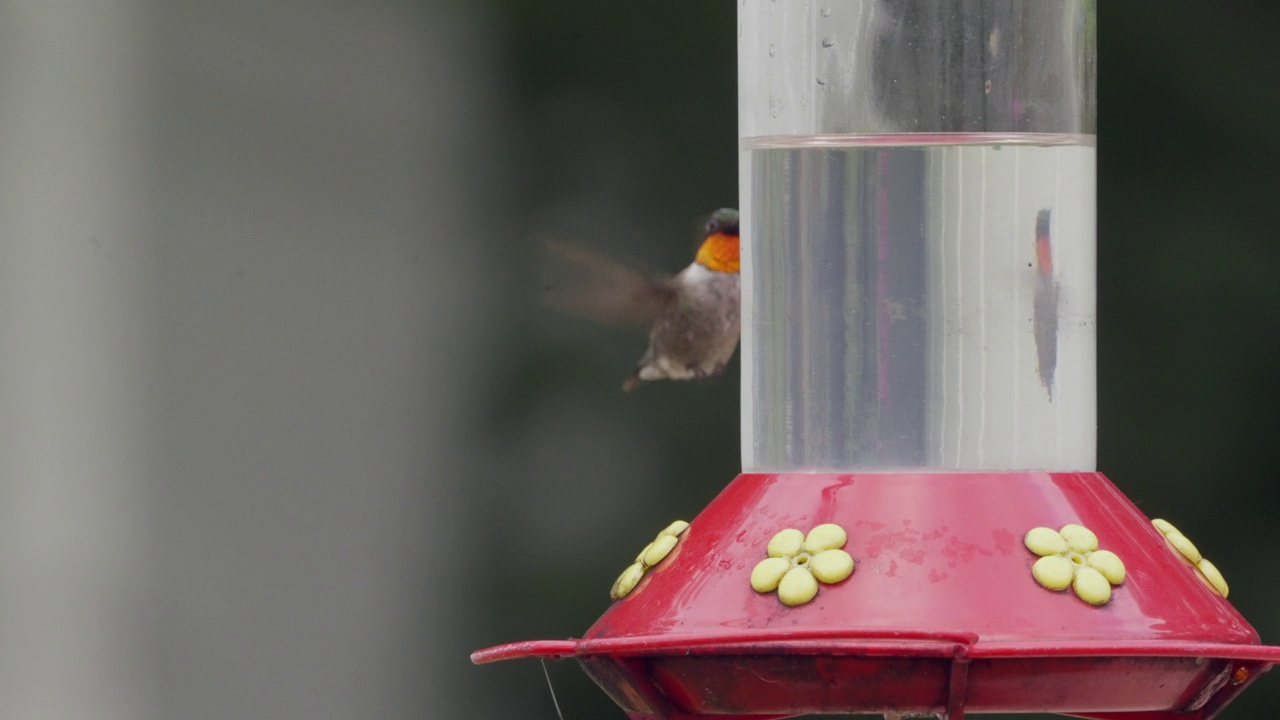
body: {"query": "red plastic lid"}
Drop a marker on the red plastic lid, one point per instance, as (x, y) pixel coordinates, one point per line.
(941, 613)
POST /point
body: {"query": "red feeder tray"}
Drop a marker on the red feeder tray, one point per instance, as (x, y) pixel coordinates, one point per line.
(941, 615)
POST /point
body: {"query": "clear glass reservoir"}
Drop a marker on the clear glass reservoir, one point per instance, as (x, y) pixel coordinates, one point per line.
(918, 192)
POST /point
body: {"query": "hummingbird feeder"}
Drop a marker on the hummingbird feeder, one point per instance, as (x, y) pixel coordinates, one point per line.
(919, 528)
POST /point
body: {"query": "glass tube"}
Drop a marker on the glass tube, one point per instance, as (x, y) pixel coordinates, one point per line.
(918, 194)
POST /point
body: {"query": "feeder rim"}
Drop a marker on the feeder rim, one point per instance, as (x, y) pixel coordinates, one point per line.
(902, 643)
(912, 139)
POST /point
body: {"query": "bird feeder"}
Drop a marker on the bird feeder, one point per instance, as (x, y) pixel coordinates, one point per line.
(919, 528)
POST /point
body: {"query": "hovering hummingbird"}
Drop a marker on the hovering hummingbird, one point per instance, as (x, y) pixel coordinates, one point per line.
(693, 316)
(1045, 314)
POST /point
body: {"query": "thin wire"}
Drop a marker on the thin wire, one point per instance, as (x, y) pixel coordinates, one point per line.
(552, 689)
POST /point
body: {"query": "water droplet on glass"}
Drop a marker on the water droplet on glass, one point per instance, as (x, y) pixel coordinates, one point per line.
(825, 12)
(828, 41)
(821, 81)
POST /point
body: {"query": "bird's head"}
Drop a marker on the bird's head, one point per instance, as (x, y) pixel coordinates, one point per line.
(719, 249)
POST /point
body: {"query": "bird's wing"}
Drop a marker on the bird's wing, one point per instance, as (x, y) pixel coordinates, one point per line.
(584, 282)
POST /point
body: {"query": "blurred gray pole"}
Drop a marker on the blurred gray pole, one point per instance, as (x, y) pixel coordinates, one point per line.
(243, 325)
(76, 356)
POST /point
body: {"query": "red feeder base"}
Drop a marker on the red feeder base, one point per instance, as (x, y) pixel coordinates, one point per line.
(941, 615)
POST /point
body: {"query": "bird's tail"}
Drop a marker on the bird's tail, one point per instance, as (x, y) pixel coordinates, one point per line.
(632, 382)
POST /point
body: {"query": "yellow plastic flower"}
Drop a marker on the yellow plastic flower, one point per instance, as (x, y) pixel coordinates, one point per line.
(1207, 571)
(1070, 558)
(798, 562)
(651, 555)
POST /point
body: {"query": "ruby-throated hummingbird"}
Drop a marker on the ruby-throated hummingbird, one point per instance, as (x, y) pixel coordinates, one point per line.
(693, 316)
(1045, 313)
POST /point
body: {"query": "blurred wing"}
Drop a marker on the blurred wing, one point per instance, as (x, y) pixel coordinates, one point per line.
(587, 283)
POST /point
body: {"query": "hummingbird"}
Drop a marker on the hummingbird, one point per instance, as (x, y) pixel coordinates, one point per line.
(1045, 314)
(693, 316)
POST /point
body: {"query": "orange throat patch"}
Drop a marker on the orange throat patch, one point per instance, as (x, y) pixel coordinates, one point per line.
(719, 252)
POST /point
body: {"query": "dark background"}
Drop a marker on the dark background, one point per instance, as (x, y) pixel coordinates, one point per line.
(285, 433)
(1188, 302)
